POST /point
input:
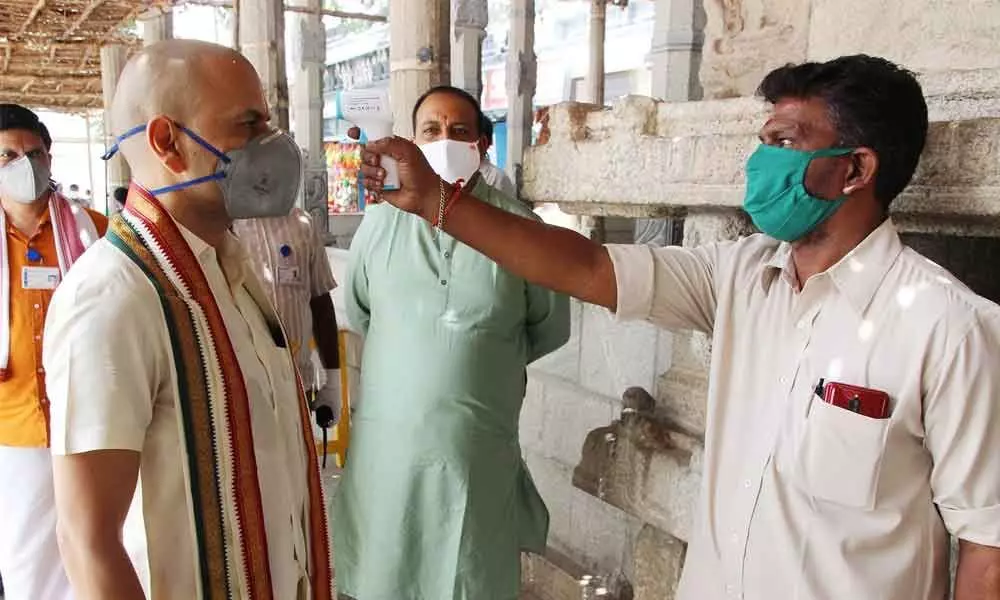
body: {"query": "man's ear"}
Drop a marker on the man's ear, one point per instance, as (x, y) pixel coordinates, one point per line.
(163, 137)
(484, 145)
(863, 170)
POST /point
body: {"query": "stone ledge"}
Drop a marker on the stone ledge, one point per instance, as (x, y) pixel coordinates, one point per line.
(650, 158)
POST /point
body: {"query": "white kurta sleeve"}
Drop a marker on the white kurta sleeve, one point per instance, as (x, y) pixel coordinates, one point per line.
(105, 359)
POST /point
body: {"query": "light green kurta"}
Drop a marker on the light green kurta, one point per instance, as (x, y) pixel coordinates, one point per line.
(436, 502)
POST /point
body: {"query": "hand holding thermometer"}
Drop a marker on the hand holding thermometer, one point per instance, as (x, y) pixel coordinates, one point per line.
(371, 112)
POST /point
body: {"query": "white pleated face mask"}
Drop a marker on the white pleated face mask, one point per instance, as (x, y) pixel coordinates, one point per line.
(453, 160)
(24, 180)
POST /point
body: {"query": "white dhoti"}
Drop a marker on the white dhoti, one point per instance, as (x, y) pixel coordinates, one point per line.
(30, 564)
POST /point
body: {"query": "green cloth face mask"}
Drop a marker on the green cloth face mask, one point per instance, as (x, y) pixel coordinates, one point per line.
(776, 197)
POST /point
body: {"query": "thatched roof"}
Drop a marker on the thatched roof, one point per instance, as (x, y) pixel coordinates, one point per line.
(50, 49)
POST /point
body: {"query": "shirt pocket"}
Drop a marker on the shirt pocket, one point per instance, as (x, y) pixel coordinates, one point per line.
(840, 455)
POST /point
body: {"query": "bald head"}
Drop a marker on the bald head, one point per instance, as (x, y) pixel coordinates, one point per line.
(178, 87)
(170, 78)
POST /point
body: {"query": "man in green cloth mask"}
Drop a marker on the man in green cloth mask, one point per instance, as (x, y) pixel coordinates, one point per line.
(436, 502)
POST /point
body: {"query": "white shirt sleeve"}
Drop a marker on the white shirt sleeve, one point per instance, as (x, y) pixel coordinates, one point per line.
(671, 287)
(105, 357)
(498, 179)
(962, 425)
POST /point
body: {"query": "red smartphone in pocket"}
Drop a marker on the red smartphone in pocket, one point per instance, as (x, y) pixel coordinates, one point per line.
(871, 403)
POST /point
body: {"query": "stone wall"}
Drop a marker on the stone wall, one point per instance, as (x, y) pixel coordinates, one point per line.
(744, 39)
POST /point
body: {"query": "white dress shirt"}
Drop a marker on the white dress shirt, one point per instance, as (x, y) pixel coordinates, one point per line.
(497, 179)
(802, 500)
(113, 386)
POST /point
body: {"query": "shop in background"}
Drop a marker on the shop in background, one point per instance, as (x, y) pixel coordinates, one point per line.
(347, 194)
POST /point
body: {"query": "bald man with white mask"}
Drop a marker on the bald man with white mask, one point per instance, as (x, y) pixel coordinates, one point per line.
(183, 460)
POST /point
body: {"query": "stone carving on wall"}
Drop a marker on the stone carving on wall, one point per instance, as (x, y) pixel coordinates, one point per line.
(744, 39)
(314, 199)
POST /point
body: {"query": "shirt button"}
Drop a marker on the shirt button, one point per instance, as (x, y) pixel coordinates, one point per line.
(38, 338)
(40, 370)
(38, 306)
(802, 324)
(444, 282)
(447, 254)
(782, 380)
(747, 484)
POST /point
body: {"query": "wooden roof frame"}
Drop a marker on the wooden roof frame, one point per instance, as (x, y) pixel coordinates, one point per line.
(50, 49)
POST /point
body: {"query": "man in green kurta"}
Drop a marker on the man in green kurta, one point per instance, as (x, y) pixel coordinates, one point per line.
(436, 502)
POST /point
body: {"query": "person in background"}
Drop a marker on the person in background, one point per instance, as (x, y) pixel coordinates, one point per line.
(120, 195)
(74, 192)
(289, 258)
(493, 175)
(854, 390)
(435, 500)
(184, 460)
(43, 235)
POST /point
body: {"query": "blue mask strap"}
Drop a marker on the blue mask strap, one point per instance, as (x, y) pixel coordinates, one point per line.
(187, 184)
(140, 128)
(118, 140)
(204, 144)
(177, 186)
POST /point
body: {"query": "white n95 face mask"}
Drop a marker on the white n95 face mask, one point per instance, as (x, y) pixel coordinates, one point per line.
(453, 160)
(24, 180)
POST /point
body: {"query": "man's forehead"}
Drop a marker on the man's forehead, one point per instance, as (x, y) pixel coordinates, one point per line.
(20, 139)
(235, 87)
(447, 106)
(805, 112)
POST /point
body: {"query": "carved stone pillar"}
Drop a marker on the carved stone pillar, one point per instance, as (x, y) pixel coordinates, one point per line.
(306, 91)
(522, 72)
(420, 54)
(157, 24)
(261, 28)
(113, 59)
(469, 19)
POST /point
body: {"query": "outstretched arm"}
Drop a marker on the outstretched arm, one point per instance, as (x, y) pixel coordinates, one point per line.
(552, 257)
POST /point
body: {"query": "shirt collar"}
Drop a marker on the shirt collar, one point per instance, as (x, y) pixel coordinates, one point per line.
(44, 220)
(857, 275)
(231, 256)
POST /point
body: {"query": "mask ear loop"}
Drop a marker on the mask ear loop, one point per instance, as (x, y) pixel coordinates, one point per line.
(140, 128)
(178, 186)
(118, 141)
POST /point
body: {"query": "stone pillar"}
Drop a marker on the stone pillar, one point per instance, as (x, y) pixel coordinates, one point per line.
(113, 60)
(595, 68)
(261, 26)
(469, 19)
(157, 25)
(676, 56)
(419, 54)
(522, 72)
(676, 52)
(308, 48)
